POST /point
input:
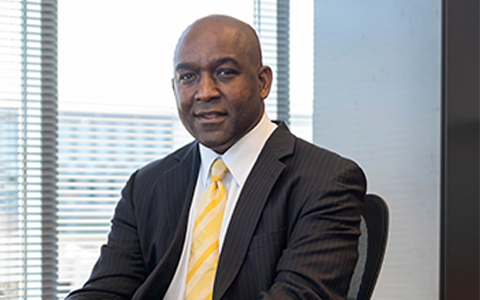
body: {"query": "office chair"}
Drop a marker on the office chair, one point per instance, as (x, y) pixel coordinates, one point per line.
(371, 248)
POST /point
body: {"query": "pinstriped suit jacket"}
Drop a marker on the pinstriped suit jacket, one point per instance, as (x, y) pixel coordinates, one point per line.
(293, 234)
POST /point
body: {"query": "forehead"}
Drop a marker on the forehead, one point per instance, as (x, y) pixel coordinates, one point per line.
(211, 43)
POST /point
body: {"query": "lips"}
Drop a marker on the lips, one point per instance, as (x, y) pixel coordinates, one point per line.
(210, 116)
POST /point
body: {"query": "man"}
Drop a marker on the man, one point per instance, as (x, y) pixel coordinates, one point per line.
(279, 221)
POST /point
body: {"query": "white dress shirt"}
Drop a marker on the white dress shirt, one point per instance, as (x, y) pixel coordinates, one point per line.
(239, 159)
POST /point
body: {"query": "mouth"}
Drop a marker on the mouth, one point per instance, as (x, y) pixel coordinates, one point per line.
(210, 116)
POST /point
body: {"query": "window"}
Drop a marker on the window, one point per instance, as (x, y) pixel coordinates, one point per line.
(64, 161)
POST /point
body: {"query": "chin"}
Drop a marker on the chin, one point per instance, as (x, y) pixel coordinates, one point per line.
(215, 145)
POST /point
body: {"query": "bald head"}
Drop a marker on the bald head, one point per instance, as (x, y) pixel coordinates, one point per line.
(226, 28)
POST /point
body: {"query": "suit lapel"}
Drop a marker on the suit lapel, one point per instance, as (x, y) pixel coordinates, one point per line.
(250, 205)
(177, 183)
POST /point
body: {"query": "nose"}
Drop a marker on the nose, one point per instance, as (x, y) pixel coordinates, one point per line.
(207, 89)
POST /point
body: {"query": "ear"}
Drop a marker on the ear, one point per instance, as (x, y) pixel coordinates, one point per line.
(173, 87)
(265, 78)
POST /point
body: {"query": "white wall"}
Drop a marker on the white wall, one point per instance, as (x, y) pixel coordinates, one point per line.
(377, 98)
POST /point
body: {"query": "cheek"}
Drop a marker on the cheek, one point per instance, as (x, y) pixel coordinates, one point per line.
(182, 102)
(181, 105)
(249, 106)
(182, 92)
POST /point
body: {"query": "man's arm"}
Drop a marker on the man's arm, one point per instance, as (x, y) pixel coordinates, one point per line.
(120, 270)
(322, 249)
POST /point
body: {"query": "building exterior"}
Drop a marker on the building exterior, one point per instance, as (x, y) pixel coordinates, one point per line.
(96, 154)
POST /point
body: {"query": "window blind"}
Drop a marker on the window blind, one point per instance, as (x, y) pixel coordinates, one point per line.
(28, 117)
(272, 19)
(51, 208)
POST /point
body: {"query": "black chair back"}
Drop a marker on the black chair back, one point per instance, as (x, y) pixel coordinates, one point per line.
(371, 248)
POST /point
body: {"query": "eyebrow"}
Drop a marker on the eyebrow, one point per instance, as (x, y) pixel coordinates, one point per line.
(225, 60)
(217, 62)
(183, 66)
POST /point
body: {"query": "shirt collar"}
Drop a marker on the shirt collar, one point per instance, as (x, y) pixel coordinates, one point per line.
(241, 157)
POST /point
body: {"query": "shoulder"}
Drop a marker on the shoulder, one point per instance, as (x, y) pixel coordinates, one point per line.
(314, 162)
(313, 154)
(307, 160)
(160, 166)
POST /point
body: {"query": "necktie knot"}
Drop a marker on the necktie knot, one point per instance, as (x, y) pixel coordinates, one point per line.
(219, 169)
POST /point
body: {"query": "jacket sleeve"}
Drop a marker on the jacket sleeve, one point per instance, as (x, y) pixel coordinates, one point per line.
(120, 270)
(321, 251)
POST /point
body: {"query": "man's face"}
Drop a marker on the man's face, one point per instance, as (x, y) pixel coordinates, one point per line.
(218, 88)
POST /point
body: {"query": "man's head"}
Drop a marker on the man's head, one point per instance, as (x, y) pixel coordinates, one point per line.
(219, 81)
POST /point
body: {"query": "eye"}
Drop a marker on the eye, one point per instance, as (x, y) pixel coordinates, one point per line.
(186, 77)
(226, 73)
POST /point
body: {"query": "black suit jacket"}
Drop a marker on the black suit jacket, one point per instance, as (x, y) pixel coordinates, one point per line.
(293, 233)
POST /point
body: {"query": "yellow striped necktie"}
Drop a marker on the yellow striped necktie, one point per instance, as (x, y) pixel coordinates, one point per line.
(202, 264)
